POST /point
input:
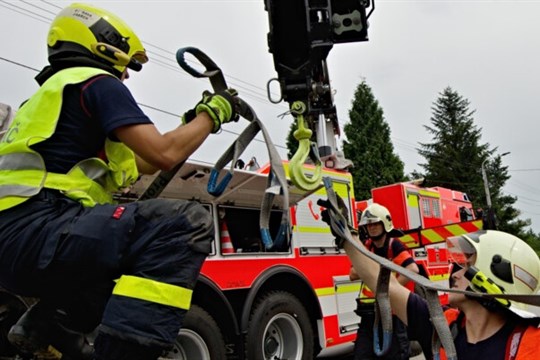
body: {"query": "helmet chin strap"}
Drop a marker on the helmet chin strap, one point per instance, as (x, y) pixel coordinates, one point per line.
(490, 304)
(481, 283)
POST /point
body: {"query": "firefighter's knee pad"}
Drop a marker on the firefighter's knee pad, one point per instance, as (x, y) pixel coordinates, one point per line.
(188, 216)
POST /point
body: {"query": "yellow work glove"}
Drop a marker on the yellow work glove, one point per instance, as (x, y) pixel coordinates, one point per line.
(219, 106)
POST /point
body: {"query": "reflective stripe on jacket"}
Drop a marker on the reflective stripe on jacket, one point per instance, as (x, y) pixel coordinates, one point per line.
(22, 170)
(521, 345)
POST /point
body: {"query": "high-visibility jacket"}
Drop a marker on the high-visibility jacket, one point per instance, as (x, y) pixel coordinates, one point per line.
(521, 345)
(22, 170)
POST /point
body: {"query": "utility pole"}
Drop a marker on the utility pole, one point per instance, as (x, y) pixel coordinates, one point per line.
(489, 220)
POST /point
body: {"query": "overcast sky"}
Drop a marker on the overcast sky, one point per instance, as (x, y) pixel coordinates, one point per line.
(487, 51)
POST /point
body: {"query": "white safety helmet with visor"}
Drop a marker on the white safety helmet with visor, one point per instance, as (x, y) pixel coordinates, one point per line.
(375, 213)
(497, 262)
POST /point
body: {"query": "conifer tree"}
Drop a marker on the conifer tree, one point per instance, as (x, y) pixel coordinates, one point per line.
(291, 142)
(455, 157)
(368, 145)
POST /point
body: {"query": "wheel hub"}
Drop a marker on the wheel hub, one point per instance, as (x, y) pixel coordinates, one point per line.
(271, 345)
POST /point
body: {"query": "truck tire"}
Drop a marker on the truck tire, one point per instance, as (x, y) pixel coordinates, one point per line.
(279, 328)
(199, 338)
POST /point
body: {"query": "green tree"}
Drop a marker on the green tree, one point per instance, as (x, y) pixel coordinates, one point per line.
(455, 149)
(291, 142)
(368, 145)
(532, 239)
(455, 157)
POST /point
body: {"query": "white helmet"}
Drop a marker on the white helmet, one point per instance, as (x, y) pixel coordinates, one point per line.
(375, 213)
(503, 258)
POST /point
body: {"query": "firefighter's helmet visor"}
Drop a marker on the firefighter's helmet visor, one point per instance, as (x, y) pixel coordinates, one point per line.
(461, 251)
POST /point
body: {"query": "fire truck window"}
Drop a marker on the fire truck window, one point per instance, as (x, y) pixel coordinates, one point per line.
(426, 210)
(436, 208)
(244, 229)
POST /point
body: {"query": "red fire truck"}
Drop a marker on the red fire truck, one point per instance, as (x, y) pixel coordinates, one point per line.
(427, 216)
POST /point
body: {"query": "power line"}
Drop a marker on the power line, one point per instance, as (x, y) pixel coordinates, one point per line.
(51, 4)
(246, 92)
(6, 5)
(38, 7)
(19, 64)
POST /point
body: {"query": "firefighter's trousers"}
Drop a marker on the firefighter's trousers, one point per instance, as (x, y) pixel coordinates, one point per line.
(363, 347)
(70, 257)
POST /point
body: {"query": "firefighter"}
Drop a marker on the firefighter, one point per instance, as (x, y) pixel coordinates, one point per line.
(80, 138)
(377, 225)
(488, 262)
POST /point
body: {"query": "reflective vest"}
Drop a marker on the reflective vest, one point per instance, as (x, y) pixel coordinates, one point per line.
(22, 170)
(521, 345)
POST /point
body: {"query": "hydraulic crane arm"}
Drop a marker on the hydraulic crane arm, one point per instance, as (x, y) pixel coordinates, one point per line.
(302, 33)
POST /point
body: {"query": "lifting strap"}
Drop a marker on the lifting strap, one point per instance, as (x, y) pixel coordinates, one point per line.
(276, 183)
(277, 180)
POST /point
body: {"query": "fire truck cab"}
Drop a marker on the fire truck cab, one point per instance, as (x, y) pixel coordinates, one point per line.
(413, 206)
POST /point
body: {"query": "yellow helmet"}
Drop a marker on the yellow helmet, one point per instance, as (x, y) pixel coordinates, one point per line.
(84, 30)
(375, 213)
(503, 258)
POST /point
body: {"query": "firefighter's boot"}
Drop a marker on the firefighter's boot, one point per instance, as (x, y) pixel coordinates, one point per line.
(39, 331)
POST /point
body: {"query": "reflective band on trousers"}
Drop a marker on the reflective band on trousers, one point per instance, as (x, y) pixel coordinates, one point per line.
(153, 291)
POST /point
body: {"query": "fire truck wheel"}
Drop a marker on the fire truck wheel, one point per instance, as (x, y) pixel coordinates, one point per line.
(279, 328)
(199, 338)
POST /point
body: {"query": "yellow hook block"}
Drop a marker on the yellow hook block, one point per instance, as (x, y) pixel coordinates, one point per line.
(305, 148)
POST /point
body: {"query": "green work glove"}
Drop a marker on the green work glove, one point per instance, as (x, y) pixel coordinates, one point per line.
(220, 106)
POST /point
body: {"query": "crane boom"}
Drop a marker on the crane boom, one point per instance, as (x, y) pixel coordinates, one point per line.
(302, 33)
